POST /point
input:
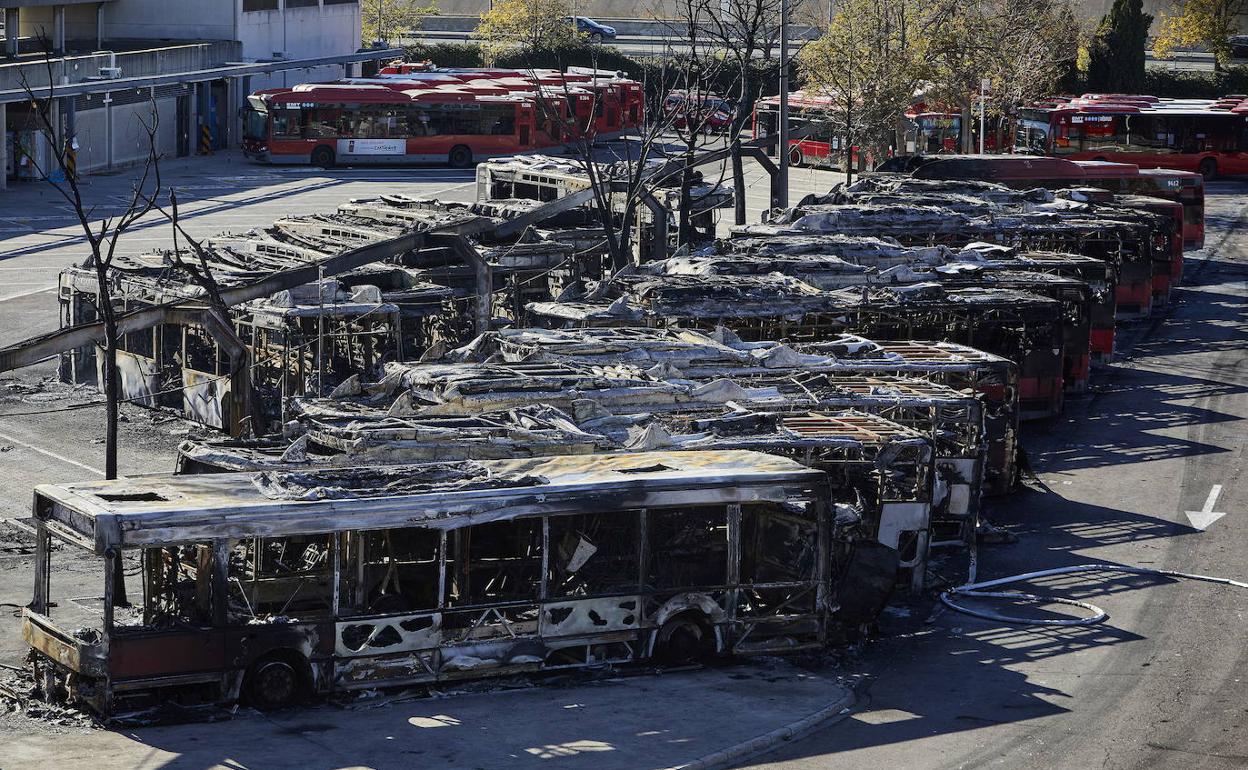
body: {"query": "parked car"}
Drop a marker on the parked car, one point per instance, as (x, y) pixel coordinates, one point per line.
(1239, 46)
(596, 31)
(715, 113)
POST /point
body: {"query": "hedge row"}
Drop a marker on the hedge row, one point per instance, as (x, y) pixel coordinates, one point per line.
(1195, 85)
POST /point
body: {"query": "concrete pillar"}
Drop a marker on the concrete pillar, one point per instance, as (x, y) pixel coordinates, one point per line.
(99, 26)
(4, 146)
(108, 130)
(58, 29)
(155, 116)
(201, 115)
(12, 28)
(57, 140)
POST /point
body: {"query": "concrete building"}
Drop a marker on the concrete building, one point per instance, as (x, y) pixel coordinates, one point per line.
(99, 68)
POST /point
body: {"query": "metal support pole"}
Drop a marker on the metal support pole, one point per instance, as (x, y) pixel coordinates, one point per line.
(320, 331)
(4, 147)
(784, 104)
(69, 143)
(738, 184)
(983, 108)
(108, 130)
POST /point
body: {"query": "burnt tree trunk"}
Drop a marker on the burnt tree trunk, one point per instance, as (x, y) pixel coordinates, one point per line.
(112, 406)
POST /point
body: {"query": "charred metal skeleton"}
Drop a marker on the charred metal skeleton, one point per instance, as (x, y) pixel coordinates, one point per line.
(324, 580)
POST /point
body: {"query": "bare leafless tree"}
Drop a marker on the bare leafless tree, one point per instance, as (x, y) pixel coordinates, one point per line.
(624, 174)
(102, 235)
(745, 33)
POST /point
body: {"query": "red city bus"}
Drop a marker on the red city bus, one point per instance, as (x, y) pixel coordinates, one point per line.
(1204, 136)
(326, 123)
(933, 133)
(615, 103)
(822, 148)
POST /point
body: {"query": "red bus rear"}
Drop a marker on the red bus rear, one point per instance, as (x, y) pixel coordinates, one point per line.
(822, 147)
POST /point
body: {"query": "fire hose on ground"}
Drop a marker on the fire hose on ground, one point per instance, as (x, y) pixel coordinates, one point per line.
(976, 590)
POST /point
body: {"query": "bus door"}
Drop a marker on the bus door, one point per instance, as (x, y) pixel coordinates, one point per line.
(777, 603)
(524, 124)
(493, 579)
(389, 622)
(592, 611)
(182, 614)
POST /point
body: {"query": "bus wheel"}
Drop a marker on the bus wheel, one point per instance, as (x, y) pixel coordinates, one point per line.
(277, 681)
(796, 158)
(684, 639)
(323, 156)
(460, 157)
(1208, 168)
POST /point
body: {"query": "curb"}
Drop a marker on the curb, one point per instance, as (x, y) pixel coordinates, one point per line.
(731, 755)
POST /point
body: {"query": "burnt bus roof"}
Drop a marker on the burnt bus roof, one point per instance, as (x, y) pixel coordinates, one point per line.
(695, 353)
(167, 510)
(441, 389)
(856, 435)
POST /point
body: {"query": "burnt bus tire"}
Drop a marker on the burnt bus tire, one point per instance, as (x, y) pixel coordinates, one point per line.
(277, 681)
(684, 639)
(1208, 168)
(460, 157)
(323, 156)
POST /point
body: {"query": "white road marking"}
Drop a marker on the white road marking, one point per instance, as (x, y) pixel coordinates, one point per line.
(1205, 516)
(53, 455)
(28, 293)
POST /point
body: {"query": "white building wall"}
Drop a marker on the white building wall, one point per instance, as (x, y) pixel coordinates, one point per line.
(170, 19)
(300, 33)
(92, 132)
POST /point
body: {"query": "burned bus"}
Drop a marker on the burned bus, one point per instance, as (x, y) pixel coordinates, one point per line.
(269, 587)
(695, 355)
(1023, 327)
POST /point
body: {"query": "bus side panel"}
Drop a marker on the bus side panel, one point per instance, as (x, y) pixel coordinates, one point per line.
(166, 653)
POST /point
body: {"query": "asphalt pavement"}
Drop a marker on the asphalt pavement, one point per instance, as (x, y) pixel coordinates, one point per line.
(1160, 684)
(1164, 682)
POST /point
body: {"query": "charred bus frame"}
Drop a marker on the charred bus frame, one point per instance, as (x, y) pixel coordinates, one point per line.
(415, 574)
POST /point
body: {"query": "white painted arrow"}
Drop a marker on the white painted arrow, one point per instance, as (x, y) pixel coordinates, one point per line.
(1205, 516)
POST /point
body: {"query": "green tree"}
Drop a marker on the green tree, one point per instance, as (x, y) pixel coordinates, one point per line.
(1023, 48)
(868, 64)
(1116, 54)
(389, 20)
(530, 25)
(1208, 23)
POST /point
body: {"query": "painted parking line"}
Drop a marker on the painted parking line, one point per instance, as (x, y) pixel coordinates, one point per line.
(28, 293)
(49, 453)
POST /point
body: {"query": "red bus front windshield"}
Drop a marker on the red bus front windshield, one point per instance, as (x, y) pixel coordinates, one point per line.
(255, 120)
(1031, 133)
(938, 133)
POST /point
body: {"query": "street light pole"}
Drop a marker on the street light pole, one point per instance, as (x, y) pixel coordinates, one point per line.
(783, 198)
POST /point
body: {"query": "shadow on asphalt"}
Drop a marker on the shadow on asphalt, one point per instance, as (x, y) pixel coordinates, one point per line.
(940, 673)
